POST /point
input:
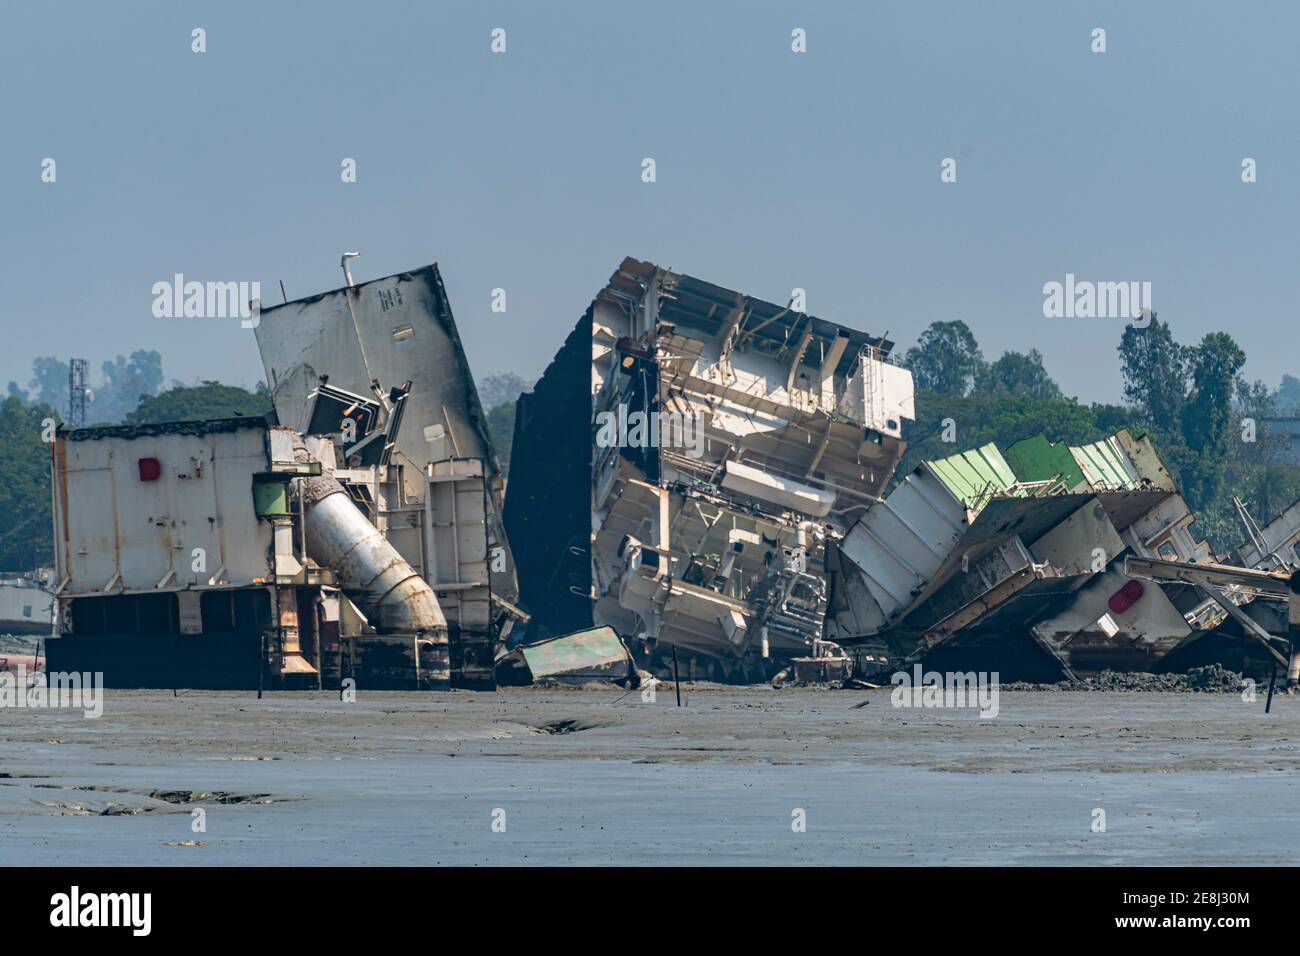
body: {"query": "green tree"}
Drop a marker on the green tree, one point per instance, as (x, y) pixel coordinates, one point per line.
(1255, 400)
(501, 426)
(207, 400)
(946, 359)
(1288, 395)
(1207, 416)
(500, 388)
(1155, 370)
(25, 521)
(498, 394)
(126, 382)
(1017, 373)
(49, 384)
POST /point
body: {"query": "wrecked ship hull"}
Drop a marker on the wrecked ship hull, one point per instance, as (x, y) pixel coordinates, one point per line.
(362, 540)
(712, 544)
(1024, 574)
(400, 329)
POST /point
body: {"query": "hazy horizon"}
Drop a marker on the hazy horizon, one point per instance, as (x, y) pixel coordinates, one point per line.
(522, 170)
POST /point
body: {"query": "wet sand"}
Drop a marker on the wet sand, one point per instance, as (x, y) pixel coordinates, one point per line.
(584, 777)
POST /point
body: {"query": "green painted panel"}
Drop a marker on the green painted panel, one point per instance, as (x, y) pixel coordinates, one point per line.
(969, 474)
(584, 652)
(1105, 465)
(271, 498)
(1037, 459)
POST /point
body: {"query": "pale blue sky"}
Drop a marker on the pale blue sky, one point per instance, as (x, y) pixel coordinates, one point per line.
(775, 170)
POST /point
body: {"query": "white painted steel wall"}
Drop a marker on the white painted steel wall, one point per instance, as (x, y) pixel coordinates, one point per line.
(116, 532)
(29, 607)
(402, 339)
(899, 544)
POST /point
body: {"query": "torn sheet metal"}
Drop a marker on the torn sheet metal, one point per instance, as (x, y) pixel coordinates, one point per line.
(898, 546)
(591, 655)
(1076, 608)
(779, 429)
(1113, 622)
(1038, 459)
(892, 556)
(975, 476)
(1034, 580)
(1277, 544)
(389, 331)
(1105, 466)
(1119, 462)
(1269, 622)
(376, 372)
(1022, 559)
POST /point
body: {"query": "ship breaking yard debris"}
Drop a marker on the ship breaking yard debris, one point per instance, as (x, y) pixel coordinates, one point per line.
(716, 601)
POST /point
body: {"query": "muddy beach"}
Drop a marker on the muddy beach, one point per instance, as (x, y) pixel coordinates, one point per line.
(597, 776)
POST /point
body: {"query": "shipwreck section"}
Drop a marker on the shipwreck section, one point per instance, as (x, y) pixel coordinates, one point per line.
(175, 557)
(361, 540)
(680, 467)
(548, 507)
(26, 605)
(594, 655)
(223, 554)
(1017, 563)
(379, 368)
(231, 554)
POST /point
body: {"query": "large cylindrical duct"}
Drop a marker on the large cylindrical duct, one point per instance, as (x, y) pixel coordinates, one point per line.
(340, 537)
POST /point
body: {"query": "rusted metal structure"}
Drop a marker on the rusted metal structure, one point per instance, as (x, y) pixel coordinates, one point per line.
(168, 533)
(234, 554)
(680, 466)
(26, 605)
(361, 539)
(379, 365)
(1261, 606)
(597, 654)
(969, 562)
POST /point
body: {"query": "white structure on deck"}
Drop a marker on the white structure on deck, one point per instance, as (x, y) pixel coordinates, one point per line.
(709, 541)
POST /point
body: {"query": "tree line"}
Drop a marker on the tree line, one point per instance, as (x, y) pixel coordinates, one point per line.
(1191, 399)
(129, 392)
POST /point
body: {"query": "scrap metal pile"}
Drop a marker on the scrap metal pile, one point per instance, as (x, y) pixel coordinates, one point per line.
(1046, 563)
(698, 481)
(683, 463)
(765, 548)
(359, 538)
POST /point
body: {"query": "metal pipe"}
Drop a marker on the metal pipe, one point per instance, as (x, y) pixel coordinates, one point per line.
(340, 537)
(347, 273)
